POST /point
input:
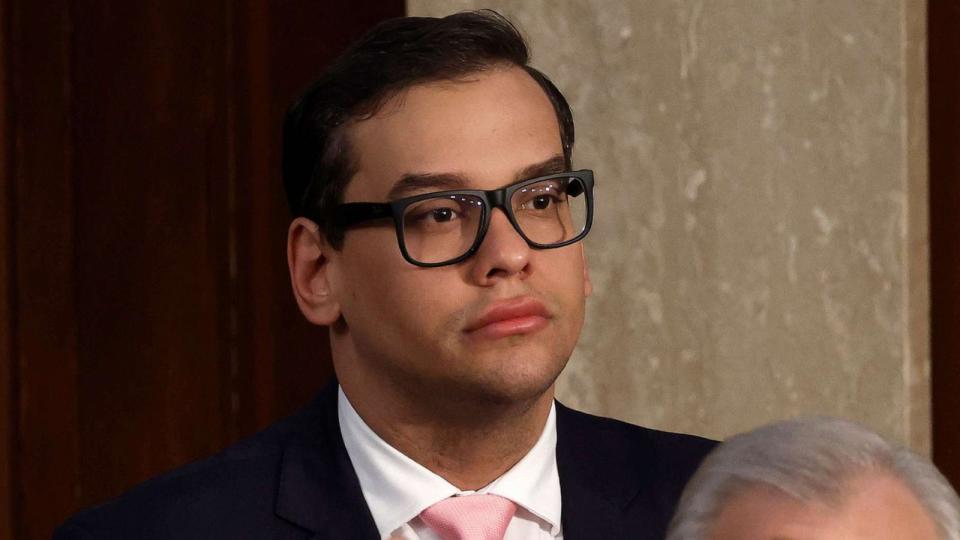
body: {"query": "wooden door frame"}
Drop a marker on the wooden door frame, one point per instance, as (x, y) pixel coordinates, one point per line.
(943, 17)
(7, 397)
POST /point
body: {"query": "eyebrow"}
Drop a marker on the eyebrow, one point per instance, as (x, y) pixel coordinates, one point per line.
(412, 183)
(556, 164)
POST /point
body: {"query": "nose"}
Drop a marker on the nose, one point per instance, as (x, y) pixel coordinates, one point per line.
(502, 254)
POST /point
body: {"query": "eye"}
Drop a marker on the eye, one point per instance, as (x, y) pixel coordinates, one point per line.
(541, 202)
(441, 215)
(435, 214)
(540, 197)
(442, 212)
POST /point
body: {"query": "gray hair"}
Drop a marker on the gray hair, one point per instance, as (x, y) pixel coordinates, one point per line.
(810, 459)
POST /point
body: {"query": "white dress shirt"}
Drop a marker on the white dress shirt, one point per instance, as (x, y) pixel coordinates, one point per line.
(397, 488)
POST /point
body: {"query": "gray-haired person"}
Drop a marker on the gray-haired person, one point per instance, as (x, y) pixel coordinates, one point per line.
(815, 478)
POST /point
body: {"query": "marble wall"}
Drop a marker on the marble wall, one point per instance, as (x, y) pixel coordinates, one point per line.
(760, 247)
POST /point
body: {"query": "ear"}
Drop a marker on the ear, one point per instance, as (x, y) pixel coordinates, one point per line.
(309, 263)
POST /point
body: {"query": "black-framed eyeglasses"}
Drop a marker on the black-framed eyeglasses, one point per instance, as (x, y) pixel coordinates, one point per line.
(446, 227)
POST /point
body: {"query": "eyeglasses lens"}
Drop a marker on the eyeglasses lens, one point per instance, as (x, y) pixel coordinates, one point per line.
(442, 228)
(551, 211)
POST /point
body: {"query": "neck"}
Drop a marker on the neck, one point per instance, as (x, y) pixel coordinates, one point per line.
(469, 441)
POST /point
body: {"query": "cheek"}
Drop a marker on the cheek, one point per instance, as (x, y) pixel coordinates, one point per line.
(377, 281)
(567, 275)
(366, 268)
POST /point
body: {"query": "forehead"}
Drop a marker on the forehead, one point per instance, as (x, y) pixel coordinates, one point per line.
(764, 513)
(485, 127)
(878, 507)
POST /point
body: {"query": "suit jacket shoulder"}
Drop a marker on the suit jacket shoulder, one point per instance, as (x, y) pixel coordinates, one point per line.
(619, 480)
(293, 480)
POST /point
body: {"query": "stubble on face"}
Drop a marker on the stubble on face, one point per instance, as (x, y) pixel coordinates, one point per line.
(444, 366)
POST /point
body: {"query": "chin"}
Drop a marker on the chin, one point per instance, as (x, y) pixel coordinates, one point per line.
(517, 382)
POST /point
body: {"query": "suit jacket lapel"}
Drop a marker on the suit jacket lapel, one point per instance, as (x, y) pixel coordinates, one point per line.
(589, 495)
(318, 488)
(603, 481)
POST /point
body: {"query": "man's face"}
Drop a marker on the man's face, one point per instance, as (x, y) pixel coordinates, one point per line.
(499, 326)
(878, 507)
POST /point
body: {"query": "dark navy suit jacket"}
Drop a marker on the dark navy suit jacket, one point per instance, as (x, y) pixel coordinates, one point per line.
(295, 481)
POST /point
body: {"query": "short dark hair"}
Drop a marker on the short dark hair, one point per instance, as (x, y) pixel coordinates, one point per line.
(394, 55)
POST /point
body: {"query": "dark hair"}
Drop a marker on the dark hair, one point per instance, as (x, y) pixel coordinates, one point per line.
(393, 56)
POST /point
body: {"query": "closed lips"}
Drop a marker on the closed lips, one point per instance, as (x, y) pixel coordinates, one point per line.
(508, 310)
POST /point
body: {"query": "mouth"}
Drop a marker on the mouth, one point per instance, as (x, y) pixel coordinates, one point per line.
(515, 316)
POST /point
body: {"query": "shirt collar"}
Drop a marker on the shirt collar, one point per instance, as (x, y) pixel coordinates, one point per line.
(397, 488)
(533, 482)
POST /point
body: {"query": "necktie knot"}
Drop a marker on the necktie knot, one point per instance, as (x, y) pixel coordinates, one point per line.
(470, 517)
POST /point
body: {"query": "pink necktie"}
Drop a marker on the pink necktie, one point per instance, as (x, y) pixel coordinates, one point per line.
(470, 517)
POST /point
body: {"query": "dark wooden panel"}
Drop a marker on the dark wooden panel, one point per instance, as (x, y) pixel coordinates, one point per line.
(144, 301)
(7, 268)
(944, 73)
(151, 264)
(48, 443)
(259, 246)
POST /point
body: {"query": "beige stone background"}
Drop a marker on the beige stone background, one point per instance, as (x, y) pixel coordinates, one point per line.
(760, 245)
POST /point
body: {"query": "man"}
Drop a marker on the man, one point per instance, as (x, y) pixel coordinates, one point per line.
(817, 478)
(437, 233)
